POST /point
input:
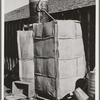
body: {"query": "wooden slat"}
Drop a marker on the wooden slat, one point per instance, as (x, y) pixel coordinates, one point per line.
(88, 44)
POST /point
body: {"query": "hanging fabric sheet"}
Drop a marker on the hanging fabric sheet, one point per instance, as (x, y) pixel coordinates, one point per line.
(25, 44)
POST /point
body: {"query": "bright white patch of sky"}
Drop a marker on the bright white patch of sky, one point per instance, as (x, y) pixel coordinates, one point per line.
(10, 5)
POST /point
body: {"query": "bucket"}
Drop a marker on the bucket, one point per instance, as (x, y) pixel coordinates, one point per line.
(80, 94)
(36, 15)
(91, 83)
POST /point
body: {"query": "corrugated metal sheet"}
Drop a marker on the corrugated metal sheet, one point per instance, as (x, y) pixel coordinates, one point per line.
(54, 6)
(18, 14)
(11, 51)
(63, 5)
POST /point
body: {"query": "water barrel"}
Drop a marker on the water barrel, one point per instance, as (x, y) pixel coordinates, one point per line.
(91, 83)
(37, 16)
(80, 94)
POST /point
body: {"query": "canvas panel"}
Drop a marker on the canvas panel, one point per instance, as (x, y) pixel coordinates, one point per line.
(38, 46)
(69, 29)
(70, 48)
(48, 29)
(44, 48)
(78, 30)
(81, 63)
(71, 68)
(67, 85)
(25, 44)
(45, 67)
(38, 29)
(67, 68)
(46, 85)
(26, 70)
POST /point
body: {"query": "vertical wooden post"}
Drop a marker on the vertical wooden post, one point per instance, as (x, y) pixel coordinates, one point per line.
(79, 15)
(37, 16)
(88, 20)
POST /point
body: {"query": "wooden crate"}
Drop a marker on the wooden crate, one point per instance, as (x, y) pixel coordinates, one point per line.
(23, 88)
